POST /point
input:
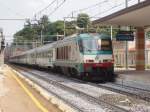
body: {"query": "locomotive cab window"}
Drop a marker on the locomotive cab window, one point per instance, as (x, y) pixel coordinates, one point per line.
(104, 44)
(94, 44)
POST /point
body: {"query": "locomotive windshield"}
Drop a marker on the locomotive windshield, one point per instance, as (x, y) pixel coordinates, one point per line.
(92, 44)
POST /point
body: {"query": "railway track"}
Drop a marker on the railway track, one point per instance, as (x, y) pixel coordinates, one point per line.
(79, 94)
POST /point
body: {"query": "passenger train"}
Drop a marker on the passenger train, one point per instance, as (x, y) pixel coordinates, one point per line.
(86, 55)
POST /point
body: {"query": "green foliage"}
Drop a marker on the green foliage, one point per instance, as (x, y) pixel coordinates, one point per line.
(107, 30)
(148, 35)
(44, 23)
(27, 33)
(59, 27)
(49, 30)
(83, 20)
(70, 27)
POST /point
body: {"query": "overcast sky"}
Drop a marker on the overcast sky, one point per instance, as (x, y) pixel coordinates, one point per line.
(27, 9)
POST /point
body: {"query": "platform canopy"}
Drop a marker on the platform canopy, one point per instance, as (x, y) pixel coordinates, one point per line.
(137, 15)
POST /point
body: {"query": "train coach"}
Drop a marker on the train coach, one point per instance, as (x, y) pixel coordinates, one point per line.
(87, 55)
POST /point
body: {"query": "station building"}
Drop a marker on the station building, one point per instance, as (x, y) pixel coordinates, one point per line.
(119, 48)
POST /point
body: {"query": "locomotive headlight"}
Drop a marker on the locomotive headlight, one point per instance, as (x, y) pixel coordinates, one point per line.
(108, 60)
(89, 61)
(111, 60)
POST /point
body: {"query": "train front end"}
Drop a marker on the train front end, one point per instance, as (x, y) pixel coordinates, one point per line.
(96, 56)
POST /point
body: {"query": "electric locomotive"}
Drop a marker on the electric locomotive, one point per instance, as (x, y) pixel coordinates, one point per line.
(87, 55)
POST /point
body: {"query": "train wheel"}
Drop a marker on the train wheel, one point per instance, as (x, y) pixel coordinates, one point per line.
(65, 71)
(73, 72)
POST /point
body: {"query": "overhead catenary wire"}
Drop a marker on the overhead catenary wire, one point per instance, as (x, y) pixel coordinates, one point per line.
(100, 4)
(111, 8)
(89, 7)
(57, 7)
(39, 12)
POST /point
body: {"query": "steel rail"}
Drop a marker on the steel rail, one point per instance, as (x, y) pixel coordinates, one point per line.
(80, 93)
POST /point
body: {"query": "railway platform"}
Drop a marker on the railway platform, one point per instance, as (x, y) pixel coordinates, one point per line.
(131, 77)
(18, 96)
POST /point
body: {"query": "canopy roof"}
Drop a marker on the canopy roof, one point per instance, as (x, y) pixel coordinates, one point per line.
(137, 15)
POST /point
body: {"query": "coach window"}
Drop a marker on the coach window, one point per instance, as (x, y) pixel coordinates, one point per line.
(61, 53)
(56, 53)
(69, 52)
(59, 56)
(65, 52)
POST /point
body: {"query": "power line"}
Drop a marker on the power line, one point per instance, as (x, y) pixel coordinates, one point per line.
(87, 8)
(57, 7)
(39, 12)
(113, 7)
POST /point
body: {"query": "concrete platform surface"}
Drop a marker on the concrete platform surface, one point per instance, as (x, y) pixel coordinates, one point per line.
(142, 76)
(138, 79)
(14, 99)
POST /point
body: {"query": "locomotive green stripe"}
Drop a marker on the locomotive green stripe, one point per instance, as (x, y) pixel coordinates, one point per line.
(97, 52)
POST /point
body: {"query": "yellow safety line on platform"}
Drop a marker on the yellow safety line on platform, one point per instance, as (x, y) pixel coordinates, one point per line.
(37, 103)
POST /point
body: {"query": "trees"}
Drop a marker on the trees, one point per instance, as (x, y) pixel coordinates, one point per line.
(32, 30)
(43, 23)
(83, 20)
(26, 34)
(148, 35)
